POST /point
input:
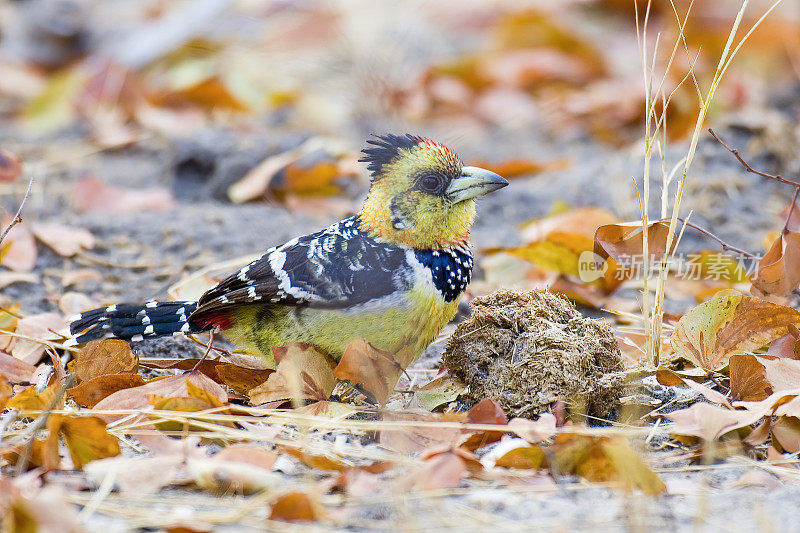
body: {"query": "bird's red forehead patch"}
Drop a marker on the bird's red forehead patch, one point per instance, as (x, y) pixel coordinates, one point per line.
(438, 150)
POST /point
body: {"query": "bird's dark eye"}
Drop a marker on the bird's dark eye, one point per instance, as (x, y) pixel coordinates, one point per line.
(431, 183)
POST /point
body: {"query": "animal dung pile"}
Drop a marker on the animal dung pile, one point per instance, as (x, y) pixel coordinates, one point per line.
(528, 349)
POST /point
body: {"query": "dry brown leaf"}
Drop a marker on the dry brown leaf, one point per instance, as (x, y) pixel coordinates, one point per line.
(624, 243)
(90, 195)
(9, 278)
(64, 240)
(18, 249)
(249, 454)
(711, 332)
(5, 391)
(668, 377)
(710, 422)
(786, 434)
(524, 457)
(779, 270)
(255, 183)
(171, 387)
(748, 378)
(196, 399)
(103, 357)
(534, 431)
(85, 436)
(376, 370)
(241, 379)
(605, 460)
(407, 438)
(487, 411)
(42, 326)
(296, 507)
(10, 167)
(89, 393)
(138, 475)
(71, 303)
(782, 374)
(29, 400)
(442, 471)
(323, 462)
(302, 372)
(220, 476)
(15, 370)
(787, 346)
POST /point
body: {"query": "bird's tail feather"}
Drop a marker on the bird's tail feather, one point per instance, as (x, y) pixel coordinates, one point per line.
(134, 321)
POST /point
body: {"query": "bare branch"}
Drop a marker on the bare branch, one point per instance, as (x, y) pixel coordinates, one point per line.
(18, 217)
(747, 167)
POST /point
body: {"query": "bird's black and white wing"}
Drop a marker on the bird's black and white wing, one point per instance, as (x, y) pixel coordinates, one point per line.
(338, 267)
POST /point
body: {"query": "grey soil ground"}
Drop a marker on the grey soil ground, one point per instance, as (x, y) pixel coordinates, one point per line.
(201, 230)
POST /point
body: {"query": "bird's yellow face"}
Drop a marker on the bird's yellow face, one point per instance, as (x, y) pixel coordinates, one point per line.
(421, 194)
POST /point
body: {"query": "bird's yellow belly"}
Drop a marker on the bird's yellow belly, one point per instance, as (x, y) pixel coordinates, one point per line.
(413, 320)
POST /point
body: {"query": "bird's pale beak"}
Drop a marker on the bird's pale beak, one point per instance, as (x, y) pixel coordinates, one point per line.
(474, 182)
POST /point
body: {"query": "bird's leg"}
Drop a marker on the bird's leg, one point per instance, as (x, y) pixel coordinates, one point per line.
(208, 350)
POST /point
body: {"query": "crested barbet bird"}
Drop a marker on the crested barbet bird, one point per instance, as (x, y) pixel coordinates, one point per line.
(393, 274)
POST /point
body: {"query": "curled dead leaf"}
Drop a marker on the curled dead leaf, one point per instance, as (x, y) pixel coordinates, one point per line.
(779, 270)
(377, 371)
(302, 372)
(711, 332)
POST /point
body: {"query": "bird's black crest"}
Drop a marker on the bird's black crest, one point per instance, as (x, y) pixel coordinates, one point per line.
(386, 149)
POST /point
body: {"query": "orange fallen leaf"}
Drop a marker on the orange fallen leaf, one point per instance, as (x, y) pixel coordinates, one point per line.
(779, 270)
(295, 507)
(523, 457)
(105, 356)
(748, 378)
(487, 411)
(786, 434)
(89, 393)
(241, 379)
(85, 436)
(605, 460)
(323, 462)
(5, 391)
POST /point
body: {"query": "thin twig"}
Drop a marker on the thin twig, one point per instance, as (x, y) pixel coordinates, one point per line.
(747, 167)
(791, 210)
(18, 217)
(725, 246)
